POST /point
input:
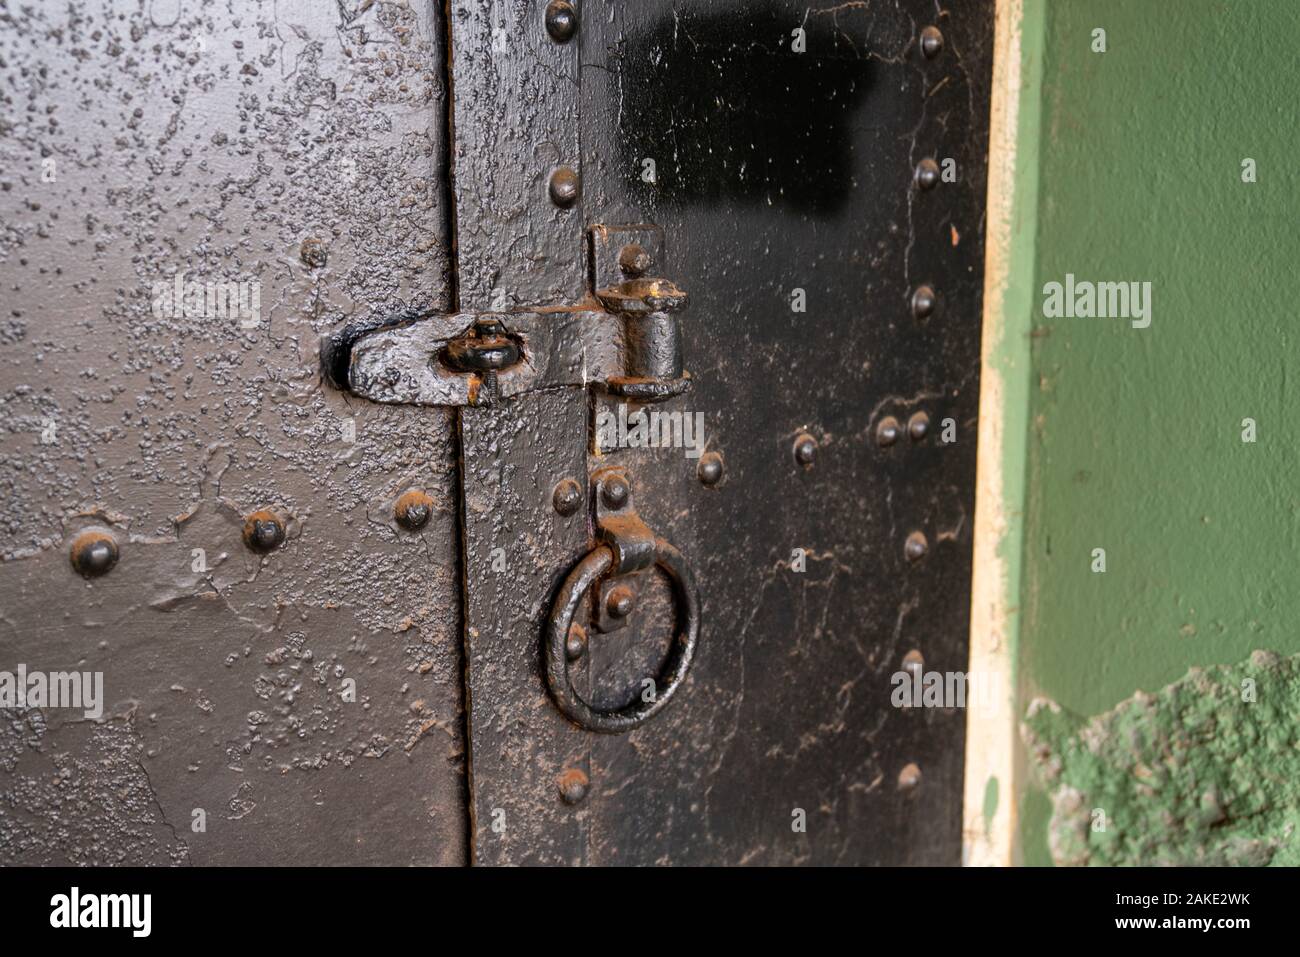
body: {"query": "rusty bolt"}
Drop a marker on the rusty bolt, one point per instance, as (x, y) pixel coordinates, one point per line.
(916, 546)
(573, 785)
(914, 662)
(413, 510)
(575, 646)
(567, 497)
(805, 449)
(561, 20)
(564, 187)
(633, 260)
(313, 252)
(93, 553)
(918, 426)
(909, 777)
(927, 173)
(263, 531)
(923, 302)
(614, 491)
(887, 431)
(931, 42)
(710, 469)
(620, 601)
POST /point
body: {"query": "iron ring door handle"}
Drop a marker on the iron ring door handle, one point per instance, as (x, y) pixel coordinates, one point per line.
(596, 563)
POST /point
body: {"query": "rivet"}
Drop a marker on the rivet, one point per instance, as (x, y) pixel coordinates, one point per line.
(887, 431)
(927, 173)
(914, 662)
(710, 469)
(564, 187)
(561, 20)
(93, 553)
(263, 531)
(573, 785)
(923, 302)
(909, 777)
(575, 645)
(413, 509)
(567, 496)
(633, 259)
(805, 449)
(312, 252)
(916, 546)
(931, 42)
(620, 601)
(614, 491)
(918, 426)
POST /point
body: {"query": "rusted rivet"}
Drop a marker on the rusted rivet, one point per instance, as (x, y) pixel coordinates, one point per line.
(575, 645)
(909, 777)
(413, 509)
(567, 496)
(312, 252)
(916, 546)
(93, 552)
(564, 187)
(573, 785)
(633, 260)
(561, 20)
(263, 531)
(927, 173)
(914, 662)
(710, 469)
(887, 431)
(918, 426)
(620, 601)
(614, 491)
(805, 449)
(923, 302)
(931, 42)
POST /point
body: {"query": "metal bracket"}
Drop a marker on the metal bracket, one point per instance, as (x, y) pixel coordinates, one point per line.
(630, 540)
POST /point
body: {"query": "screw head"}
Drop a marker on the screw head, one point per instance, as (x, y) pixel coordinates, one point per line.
(916, 546)
(918, 426)
(263, 531)
(633, 260)
(620, 601)
(573, 784)
(931, 42)
(887, 431)
(564, 187)
(710, 469)
(567, 497)
(923, 302)
(913, 662)
(927, 173)
(413, 510)
(93, 553)
(805, 449)
(909, 777)
(561, 20)
(575, 645)
(614, 491)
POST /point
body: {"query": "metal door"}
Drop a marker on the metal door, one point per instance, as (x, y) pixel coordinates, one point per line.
(604, 448)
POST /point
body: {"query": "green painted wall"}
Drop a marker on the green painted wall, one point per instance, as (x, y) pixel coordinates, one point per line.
(1135, 435)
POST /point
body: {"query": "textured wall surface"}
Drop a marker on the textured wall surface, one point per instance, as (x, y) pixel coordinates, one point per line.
(1136, 434)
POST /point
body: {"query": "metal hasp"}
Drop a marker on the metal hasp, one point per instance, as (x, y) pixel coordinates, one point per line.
(631, 347)
(609, 572)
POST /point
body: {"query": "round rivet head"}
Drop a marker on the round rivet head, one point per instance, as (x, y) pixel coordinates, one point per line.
(575, 645)
(918, 426)
(633, 260)
(413, 510)
(93, 553)
(620, 601)
(573, 785)
(909, 777)
(931, 42)
(916, 546)
(614, 491)
(561, 20)
(564, 187)
(263, 531)
(710, 469)
(567, 497)
(913, 663)
(887, 431)
(805, 449)
(927, 174)
(312, 252)
(923, 302)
